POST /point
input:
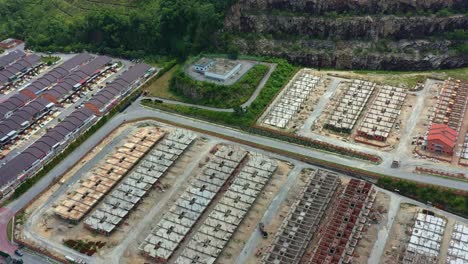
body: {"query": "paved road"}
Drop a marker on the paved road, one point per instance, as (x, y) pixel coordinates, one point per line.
(323, 102)
(270, 213)
(252, 98)
(135, 111)
(64, 111)
(175, 102)
(260, 85)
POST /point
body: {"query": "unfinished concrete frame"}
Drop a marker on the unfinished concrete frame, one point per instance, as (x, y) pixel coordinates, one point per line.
(216, 231)
(451, 104)
(182, 216)
(383, 113)
(116, 206)
(458, 247)
(105, 176)
(343, 229)
(302, 221)
(425, 240)
(295, 95)
(347, 112)
(464, 151)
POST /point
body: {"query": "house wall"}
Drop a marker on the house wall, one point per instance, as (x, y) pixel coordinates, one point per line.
(437, 146)
(223, 77)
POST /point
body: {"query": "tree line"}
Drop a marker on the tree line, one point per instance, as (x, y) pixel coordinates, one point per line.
(163, 27)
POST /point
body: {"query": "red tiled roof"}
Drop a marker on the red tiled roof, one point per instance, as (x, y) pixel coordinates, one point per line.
(443, 133)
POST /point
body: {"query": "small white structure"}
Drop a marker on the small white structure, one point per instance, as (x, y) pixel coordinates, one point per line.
(203, 64)
(218, 70)
(458, 247)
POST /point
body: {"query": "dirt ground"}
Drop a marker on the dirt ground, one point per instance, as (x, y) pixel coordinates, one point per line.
(428, 111)
(235, 245)
(299, 118)
(318, 126)
(251, 220)
(401, 232)
(369, 237)
(53, 227)
(328, 110)
(408, 80)
(422, 127)
(132, 254)
(42, 199)
(274, 225)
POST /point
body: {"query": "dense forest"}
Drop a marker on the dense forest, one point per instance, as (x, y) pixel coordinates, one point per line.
(130, 28)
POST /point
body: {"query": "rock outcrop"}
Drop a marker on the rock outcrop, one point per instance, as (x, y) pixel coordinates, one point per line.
(353, 34)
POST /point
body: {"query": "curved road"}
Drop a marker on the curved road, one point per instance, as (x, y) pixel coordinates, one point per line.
(136, 111)
(272, 67)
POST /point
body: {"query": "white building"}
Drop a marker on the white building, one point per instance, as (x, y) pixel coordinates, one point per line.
(203, 64)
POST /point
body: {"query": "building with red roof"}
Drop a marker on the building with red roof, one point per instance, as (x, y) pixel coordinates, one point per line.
(441, 139)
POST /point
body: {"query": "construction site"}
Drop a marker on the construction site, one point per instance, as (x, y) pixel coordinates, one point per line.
(296, 101)
(445, 130)
(382, 114)
(350, 106)
(420, 235)
(102, 179)
(141, 168)
(153, 193)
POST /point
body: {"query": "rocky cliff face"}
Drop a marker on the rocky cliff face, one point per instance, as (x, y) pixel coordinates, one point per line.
(319, 7)
(351, 28)
(372, 34)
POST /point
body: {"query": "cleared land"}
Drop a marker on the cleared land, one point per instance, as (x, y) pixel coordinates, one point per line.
(160, 87)
(405, 79)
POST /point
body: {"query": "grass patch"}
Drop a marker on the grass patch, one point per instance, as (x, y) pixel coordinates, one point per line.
(49, 60)
(84, 246)
(215, 95)
(160, 87)
(283, 72)
(9, 231)
(445, 199)
(407, 79)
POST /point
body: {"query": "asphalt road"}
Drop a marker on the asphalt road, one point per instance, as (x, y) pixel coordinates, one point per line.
(252, 98)
(135, 111)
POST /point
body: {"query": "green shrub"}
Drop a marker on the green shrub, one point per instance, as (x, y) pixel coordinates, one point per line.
(215, 95)
(462, 49)
(442, 198)
(444, 12)
(280, 76)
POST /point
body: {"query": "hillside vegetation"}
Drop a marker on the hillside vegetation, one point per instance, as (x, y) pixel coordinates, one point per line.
(343, 34)
(349, 34)
(118, 27)
(217, 95)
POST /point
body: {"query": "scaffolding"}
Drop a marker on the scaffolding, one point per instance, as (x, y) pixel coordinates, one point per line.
(383, 113)
(451, 104)
(169, 232)
(117, 205)
(342, 230)
(105, 175)
(302, 221)
(352, 103)
(216, 231)
(296, 93)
